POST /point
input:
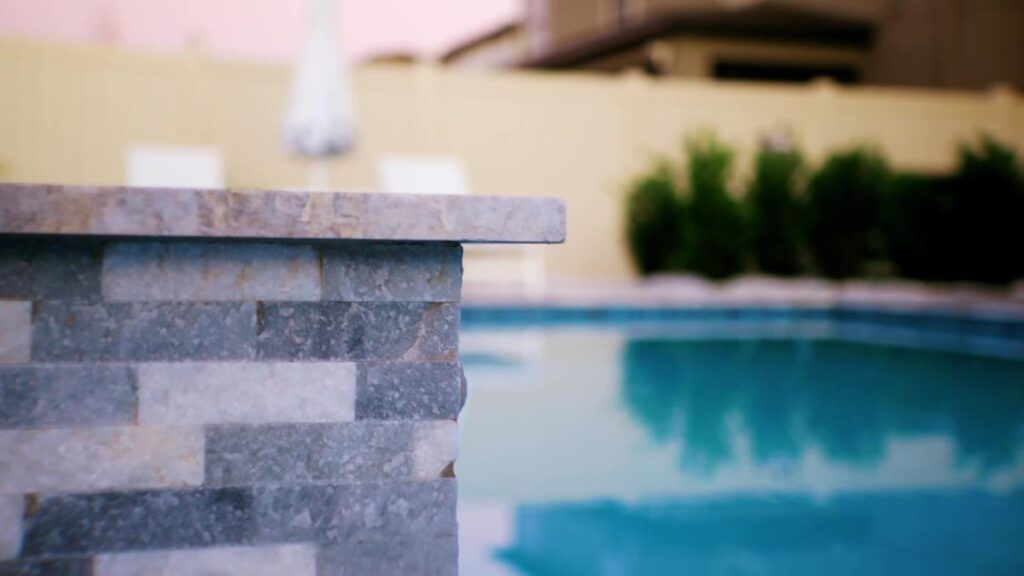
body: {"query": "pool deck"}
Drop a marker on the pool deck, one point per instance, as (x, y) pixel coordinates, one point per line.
(758, 291)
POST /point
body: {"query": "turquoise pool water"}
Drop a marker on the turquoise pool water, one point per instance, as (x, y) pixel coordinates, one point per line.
(609, 447)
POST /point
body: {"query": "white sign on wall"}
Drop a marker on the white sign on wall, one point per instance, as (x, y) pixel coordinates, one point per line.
(174, 167)
(408, 174)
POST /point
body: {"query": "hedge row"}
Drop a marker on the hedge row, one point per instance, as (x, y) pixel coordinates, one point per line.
(850, 217)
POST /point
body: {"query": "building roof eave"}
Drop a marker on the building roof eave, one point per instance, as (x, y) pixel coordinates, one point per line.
(759, 22)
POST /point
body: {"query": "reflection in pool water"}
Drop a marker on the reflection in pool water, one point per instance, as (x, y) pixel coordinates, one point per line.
(606, 452)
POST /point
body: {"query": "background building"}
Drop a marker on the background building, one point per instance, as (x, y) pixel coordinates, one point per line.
(933, 43)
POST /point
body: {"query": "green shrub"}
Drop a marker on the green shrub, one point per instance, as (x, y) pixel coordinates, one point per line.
(715, 228)
(988, 197)
(918, 214)
(774, 212)
(654, 221)
(966, 226)
(843, 208)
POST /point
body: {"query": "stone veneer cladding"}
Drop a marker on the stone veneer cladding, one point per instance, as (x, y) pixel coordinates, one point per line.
(235, 382)
(193, 406)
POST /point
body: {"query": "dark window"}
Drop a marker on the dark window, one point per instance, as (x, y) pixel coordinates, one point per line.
(773, 72)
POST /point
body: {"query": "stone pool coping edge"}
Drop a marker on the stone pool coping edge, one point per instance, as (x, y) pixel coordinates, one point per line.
(43, 209)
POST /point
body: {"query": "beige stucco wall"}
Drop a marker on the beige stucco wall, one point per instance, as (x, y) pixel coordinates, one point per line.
(68, 114)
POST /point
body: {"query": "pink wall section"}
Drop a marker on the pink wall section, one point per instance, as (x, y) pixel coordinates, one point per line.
(268, 30)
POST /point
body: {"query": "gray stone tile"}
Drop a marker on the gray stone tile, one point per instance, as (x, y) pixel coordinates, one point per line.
(12, 509)
(463, 388)
(309, 453)
(183, 393)
(409, 391)
(400, 512)
(357, 513)
(286, 560)
(365, 272)
(77, 395)
(49, 567)
(424, 556)
(275, 214)
(464, 218)
(141, 211)
(139, 520)
(49, 269)
(82, 459)
(138, 331)
(85, 210)
(210, 271)
(15, 331)
(359, 331)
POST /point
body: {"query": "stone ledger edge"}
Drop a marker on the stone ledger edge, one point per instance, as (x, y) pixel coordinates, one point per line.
(206, 213)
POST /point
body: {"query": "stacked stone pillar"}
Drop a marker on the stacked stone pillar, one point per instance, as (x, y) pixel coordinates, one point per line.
(262, 394)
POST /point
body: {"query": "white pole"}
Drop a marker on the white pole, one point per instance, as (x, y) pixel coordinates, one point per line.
(319, 172)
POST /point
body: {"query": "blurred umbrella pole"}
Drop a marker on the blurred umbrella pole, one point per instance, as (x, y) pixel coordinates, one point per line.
(320, 122)
(318, 174)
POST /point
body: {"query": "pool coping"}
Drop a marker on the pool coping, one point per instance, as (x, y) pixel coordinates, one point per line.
(758, 292)
(954, 318)
(926, 330)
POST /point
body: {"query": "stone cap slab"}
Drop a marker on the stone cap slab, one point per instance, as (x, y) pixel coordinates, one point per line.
(215, 213)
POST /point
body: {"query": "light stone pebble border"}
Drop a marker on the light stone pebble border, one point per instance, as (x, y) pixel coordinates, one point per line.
(671, 291)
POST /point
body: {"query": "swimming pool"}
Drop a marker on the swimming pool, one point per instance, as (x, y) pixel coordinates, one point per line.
(741, 442)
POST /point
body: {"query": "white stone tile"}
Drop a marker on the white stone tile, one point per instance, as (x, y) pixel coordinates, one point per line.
(288, 560)
(15, 331)
(198, 271)
(12, 509)
(65, 460)
(246, 393)
(435, 445)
